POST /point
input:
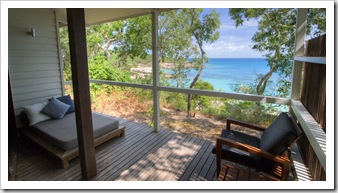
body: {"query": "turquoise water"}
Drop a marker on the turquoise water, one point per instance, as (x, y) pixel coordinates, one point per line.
(225, 73)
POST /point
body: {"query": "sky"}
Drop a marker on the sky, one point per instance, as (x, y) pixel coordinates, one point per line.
(234, 42)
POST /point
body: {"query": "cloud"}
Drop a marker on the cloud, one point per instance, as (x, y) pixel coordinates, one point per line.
(234, 41)
(250, 23)
(232, 46)
(227, 26)
(228, 46)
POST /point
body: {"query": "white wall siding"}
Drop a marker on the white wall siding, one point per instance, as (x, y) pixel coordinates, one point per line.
(34, 65)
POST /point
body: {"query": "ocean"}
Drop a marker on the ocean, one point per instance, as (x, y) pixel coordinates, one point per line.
(225, 73)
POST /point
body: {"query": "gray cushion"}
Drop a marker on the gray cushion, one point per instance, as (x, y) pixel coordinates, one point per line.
(55, 109)
(63, 133)
(279, 135)
(236, 155)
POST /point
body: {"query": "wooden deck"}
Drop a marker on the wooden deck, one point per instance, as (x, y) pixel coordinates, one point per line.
(141, 155)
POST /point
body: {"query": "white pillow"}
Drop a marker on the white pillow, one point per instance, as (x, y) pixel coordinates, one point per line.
(33, 113)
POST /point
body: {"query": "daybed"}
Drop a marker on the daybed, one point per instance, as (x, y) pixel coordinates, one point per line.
(59, 135)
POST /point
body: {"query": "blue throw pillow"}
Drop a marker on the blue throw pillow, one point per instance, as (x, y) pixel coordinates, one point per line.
(55, 109)
(67, 100)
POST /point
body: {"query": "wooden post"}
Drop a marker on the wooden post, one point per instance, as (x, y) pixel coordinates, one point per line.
(156, 97)
(12, 139)
(299, 51)
(79, 64)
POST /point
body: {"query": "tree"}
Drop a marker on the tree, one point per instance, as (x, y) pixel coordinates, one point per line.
(136, 40)
(175, 43)
(275, 35)
(201, 102)
(204, 30)
(101, 37)
(124, 38)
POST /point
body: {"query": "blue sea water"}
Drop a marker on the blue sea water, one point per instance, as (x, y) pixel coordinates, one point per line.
(225, 73)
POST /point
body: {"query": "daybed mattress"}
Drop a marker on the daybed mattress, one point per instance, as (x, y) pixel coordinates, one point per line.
(62, 132)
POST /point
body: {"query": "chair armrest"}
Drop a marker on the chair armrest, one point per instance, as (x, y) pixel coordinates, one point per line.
(251, 149)
(254, 150)
(245, 124)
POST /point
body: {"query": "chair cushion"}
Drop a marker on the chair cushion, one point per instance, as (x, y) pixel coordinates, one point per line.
(279, 135)
(236, 155)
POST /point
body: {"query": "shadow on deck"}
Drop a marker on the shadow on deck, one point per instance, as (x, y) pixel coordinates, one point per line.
(141, 155)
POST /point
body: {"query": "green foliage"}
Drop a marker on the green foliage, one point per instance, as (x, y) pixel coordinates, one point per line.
(101, 37)
(202, 102)
(64, 44)
(275, 37)
(136, 39)
(180, 74)
(249, 111)
(174, 100)
(113, 48)
(204, 30)
(316, 19)
(175, 43)
(101, 69)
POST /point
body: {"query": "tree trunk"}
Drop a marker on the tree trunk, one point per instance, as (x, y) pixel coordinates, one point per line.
(105, 50)
(262, 83)
(195, 79)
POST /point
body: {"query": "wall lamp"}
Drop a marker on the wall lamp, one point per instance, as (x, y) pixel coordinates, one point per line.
(32, 32)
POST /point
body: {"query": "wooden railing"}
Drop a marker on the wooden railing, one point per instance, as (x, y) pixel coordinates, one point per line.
(314, 100)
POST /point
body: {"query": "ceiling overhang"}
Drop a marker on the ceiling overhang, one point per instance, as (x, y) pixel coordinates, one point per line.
(104, 15)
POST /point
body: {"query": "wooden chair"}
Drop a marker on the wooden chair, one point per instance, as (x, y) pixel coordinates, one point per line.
(268, 154)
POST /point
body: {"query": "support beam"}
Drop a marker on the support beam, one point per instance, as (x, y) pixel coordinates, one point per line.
(156, 97)
(79, 64)
(12, 139)
(299, 51)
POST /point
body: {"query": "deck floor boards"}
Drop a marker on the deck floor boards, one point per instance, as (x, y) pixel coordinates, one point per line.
(141, 155)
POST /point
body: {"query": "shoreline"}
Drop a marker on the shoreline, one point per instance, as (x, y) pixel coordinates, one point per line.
(145, 69)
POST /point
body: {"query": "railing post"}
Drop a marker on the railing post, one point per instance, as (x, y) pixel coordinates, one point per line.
(299, 51)
(156, 97)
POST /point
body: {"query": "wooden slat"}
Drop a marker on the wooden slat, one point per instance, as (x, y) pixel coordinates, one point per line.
(133, 157)
(192, 151)
(102, 156)
(74, 169)
(206, 167)
(212, 170)
(123, 151)
(141, 155)
(45, 174)
(173, 162)
(189, 170)
(198, 169)
(234, 173)
(191, 159)
(145, 167)
(314, 99)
